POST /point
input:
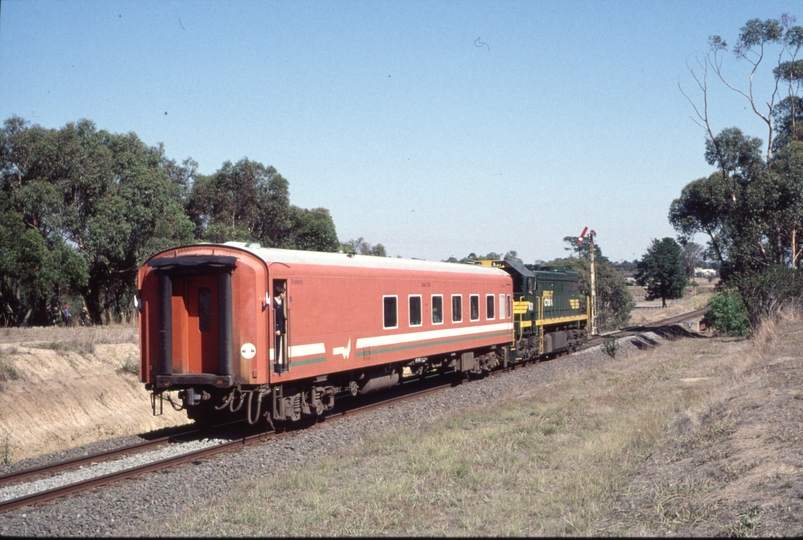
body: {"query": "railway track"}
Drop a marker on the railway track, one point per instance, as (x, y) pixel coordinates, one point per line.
(635, 330)
(40, 497)
(669, 321)
(75, 463)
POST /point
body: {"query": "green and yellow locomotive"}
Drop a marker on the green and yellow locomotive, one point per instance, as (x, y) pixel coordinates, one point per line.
(550, 315)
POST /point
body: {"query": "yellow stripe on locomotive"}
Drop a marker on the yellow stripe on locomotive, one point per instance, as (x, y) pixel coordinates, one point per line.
(549, 313)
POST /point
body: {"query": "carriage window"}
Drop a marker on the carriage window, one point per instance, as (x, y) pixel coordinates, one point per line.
(489, 307)
(437, 309)
(474, 306)
(457, 308)
(389, 306)
(415, 311)
(508, 306)
(501, 306)
(204, 309)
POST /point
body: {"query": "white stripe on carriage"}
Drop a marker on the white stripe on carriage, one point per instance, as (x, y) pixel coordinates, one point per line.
(395, 339)
(298, 351)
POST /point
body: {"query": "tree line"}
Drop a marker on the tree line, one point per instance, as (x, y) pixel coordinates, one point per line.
(751, 208)
(81, 209)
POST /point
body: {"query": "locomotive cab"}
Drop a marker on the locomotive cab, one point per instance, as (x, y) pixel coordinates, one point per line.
(550, 315)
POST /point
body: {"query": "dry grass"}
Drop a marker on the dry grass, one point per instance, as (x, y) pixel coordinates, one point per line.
(550, 461)
(111, 334)
(8, 371)
(72, 386)
(730, 463)
(83, 345)
(648, 315)
(130, 366)
(697, 437)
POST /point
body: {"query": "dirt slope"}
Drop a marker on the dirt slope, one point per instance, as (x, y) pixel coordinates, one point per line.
(64, 387)
(731, 464)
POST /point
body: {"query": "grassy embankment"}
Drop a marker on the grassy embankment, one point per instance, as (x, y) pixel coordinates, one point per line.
(648, 445)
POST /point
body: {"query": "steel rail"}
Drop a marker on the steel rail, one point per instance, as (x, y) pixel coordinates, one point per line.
(391, 401)
(105, 455)
(82, 460)
(44, 496)
(85, 485)
(635, 330)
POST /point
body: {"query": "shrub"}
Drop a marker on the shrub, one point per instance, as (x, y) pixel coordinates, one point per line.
(131, 366)
(5, 452)
(728, 314)
(7, 370)
(769, 291)
(610, 346)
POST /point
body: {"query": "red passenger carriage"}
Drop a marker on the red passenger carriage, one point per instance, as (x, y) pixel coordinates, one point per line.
(353, 323)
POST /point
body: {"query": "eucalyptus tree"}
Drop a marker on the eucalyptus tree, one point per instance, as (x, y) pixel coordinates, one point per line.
(582, 249)
(245, 200)
(614, 301)
(752, 208)
(314, 230)
(105, 196)
(361, 247)
(778, 40)
(31, 272)
(661, 272)
(248, 201)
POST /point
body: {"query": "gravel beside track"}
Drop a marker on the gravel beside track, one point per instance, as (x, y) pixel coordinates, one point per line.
(96, 470)
(131, 507)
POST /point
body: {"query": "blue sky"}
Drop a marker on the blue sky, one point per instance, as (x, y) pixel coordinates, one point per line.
(434, 128)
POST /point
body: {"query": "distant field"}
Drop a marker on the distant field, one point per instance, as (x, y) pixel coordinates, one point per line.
(647, 312)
